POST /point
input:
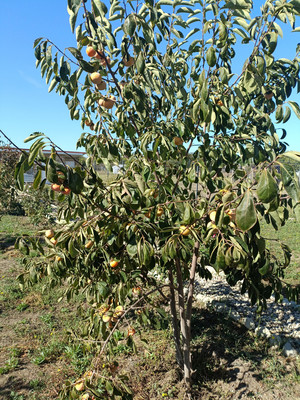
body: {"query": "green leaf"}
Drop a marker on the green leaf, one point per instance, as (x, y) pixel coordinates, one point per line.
(34, 150)
(20, 177)
(86, 66)
(147, 252)
(287, 115)
(279, 113)
(72, 249)
(37, 52)
(295, 108)
(33, 136)
(239, 244)
(37, 179)
(249, 81)
(188, 215)
(73, 8)
(267, 187)
(290, 182)
(211, 57)
(265, 268)
(140, 63)
(64, 71)
(73, 5)
(140, 182)
(296, 210)
(220, 259)
(37, 41)
(293, 155)
(191, 33)
(109, 387)
(53, 83)
(129, 25)
(100, 8)
(165, 3)
(51, 174)
(245, 213)
(72, 21)
(75, 52)
(132, 249)
(75, 182)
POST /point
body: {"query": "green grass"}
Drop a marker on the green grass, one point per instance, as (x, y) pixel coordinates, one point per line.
(12, 362)
(289, 234)
(13, 225)
(107, 177)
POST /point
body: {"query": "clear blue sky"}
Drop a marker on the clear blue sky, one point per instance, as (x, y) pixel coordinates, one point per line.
(25, 104)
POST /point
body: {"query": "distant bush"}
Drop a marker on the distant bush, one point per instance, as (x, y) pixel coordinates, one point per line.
(37, 206)
(9, 203)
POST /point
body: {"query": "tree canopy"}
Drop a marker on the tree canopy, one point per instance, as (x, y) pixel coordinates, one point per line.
(154, 87)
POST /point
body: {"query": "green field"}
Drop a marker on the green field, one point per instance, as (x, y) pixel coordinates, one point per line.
(288, 234)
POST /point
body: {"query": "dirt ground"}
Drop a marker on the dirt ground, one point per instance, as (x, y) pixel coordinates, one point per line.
(17, 331)
(229, 363)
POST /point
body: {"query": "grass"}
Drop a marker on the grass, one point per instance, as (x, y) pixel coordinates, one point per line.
(289, 234)
(106, 176)
(12, 226)
(39, 328)
(12, 362)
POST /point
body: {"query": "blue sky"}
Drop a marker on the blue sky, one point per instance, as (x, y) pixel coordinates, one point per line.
(25, 104)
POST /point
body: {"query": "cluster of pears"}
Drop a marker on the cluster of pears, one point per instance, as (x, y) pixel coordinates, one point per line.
(108, 101)
(109, 315)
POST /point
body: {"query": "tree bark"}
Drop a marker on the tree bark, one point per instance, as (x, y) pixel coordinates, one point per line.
(175, 325)
(190, 295)
(183, 328)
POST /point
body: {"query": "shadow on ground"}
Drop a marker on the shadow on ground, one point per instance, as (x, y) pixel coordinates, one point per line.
(7, 243)
(13, 384)
(230, 361)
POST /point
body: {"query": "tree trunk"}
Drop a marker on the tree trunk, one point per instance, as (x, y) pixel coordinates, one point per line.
(175, 321)
(183, 328)
(190, 294)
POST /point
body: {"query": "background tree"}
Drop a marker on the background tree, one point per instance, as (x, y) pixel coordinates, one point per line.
(150, 81)
(9, 202)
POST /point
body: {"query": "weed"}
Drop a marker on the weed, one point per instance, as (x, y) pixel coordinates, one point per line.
(16, 396)
(12, 362)
(122, 349)
(78, 356)
(48, 353)
(22, 307)
(47, 319)
(36, 384)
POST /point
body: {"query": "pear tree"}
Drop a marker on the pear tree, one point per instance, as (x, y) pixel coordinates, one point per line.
(161, 91)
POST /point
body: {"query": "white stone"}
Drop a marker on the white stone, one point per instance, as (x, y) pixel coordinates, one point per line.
(289, 351)
(234, 315)
(262, 331)
(248, 322)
